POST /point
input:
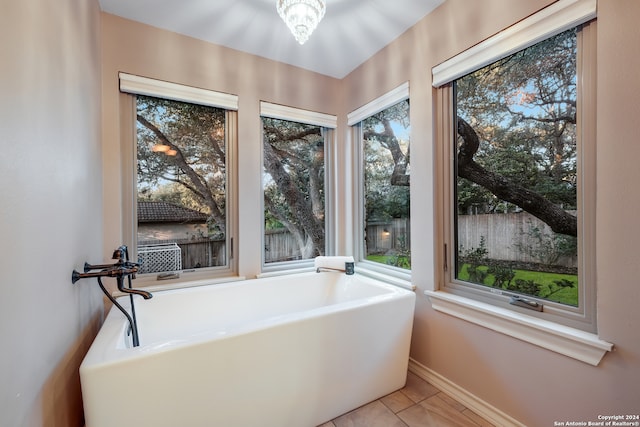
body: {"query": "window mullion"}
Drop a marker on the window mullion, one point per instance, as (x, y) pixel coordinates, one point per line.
(587, 168)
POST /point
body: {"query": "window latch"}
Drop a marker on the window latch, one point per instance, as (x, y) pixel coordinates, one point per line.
(526, 303)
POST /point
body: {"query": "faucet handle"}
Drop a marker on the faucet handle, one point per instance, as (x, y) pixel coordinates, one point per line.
(121, 253)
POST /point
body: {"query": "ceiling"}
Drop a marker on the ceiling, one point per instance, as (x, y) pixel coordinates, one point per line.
(350, 33)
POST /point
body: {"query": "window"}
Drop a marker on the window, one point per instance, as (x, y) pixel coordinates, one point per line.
(383, 130)
(294, 188)
(517, 144)
(516, 175)
(182, 198)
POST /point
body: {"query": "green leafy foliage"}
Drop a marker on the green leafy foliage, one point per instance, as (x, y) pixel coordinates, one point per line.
(401, 255)
(547, 247)
(193, 173)
(293, 183)
(386, 150)
(474, 266)
(523, 108)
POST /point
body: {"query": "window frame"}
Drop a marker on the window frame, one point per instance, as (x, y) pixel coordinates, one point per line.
(133, 85)
(328, 123)
(569, 331)
(399, 276)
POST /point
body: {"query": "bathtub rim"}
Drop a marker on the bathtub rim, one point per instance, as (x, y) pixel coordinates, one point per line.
(184, 284)
(103, 352)
(401, 279)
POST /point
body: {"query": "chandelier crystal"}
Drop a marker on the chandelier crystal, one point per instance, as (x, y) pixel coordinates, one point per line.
(301, 16)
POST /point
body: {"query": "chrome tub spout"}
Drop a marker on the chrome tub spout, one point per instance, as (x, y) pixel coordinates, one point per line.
(348, 268)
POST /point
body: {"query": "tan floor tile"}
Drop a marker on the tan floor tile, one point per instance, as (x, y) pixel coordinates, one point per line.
(417, 416)
(418, 404)
(434, 412)
(397, 401)
(375, 414)
(476, 418)
(452, 402)
(418, 389)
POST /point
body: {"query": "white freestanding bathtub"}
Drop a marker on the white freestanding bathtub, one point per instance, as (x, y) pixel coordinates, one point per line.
(293, 351)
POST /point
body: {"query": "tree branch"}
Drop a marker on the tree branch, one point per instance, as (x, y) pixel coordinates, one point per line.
(302, 211)
(198, 183)
(399, 176)
(557, 218)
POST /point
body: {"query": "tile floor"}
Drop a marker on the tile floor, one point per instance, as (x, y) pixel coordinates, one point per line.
(418, 404)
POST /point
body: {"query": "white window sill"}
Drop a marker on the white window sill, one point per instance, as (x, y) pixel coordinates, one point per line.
(275, 273)
(402, 281)
(577, 344)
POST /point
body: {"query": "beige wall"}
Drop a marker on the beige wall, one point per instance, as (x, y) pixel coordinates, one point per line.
(51, 206)
(533, 385)
(146, 51)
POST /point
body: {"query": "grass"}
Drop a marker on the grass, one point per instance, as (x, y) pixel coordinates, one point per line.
(382, 259)
(565, 295)
(387, 260)
(549, 290)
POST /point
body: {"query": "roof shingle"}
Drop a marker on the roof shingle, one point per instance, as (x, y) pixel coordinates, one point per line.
(153, 212)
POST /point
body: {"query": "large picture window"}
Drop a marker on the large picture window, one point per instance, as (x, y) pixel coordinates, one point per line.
(385, 144)
(516, 171)
(296, 147)
(382, 132)
(181, 185)
(182, 158)
(294, 190)
(518, 193)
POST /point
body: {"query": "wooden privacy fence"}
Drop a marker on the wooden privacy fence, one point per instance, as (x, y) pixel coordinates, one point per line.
(507, 236)
(381, 237)
(388, 236)
(279, 245)
(196, 253)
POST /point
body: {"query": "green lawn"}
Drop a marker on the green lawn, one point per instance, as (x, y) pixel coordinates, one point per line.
(382, 259)
(567, 295)
(387, 260)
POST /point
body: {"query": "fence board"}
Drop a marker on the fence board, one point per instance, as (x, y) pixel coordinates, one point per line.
(504, 234)
(280, 246)
(389, 236)
(198, 253)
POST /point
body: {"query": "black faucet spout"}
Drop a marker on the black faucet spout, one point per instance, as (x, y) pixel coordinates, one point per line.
(88, 267)
(106, 270)
(122, 288)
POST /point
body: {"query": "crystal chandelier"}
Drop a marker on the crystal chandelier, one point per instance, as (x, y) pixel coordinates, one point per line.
(301, 16)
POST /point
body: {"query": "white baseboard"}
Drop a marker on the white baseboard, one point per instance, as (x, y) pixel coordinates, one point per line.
(477, 405)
